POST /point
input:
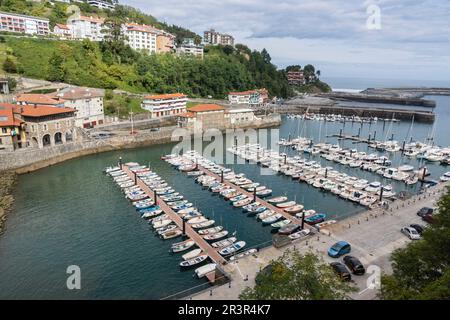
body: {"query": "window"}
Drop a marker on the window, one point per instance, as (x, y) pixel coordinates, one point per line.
(4, 130)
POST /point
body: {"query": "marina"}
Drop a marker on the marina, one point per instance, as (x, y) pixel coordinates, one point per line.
(56, 214)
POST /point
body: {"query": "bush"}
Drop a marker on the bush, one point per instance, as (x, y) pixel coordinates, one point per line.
(9, 65)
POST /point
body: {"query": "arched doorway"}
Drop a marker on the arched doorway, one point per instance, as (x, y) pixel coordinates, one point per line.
(46, 140)
(58, 138)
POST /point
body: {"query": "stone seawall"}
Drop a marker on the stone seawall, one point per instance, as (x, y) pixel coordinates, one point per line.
(27, 160)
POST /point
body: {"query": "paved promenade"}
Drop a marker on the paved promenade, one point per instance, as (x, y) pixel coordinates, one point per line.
(373, 234)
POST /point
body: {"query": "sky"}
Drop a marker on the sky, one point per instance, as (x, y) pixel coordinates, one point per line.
(386, 39)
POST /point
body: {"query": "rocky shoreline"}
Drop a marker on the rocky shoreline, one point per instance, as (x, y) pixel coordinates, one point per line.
(7, 181)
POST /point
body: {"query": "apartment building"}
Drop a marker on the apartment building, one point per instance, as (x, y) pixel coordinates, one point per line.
(165, 42)
(12, 22)
(163, 105)
(295, 77)
(215, 38)
(63, 31)
(188, 47)
(84, 27)
(103, 4)
(249, 97)
(141, 37)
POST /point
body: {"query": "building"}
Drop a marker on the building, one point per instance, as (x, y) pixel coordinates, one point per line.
(4, 86)
(88, 103)
(249, 97)
(12, 22)
(103, 4)
(63, 31)
(165, 42)
(163, 105)
(188, 47)
(215, 38)
(84, 27)
(141, 37)
(48, 126)
(240, 116)
(295, 77)
(12, 133)
(35, 99)
(208, 115)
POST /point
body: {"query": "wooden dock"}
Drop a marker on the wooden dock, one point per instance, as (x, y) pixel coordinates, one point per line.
(250, 195)
(189, 231)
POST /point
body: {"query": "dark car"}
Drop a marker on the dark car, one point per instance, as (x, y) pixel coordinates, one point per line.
(341, 271)
(355, 266)
(418, 228)
(428, 218)
(424, 211)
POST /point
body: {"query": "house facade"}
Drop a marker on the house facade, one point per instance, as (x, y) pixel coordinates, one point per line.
(12, 22)
(12, 133)
(240, 116)
(63, 31)
(215, 38)
(88, 103)
(206, 115)
(141, 37)
(188, 47)
(249, 97)
(84, 27)
(163, 105)
(35, 99)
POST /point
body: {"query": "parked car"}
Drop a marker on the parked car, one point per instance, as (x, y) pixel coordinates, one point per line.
(428, 218)
(341, 270)
(154, 129)
(418, 228)
(410, 233)
(424, 211)
(354, 265)
(339, 249)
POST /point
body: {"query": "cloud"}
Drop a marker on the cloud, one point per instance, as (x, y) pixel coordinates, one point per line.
(414, 33)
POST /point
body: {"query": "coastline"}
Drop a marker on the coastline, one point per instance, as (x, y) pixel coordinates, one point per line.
(7, 182)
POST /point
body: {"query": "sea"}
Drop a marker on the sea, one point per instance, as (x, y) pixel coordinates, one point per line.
(71, 214)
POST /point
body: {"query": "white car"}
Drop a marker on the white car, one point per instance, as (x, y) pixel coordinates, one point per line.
(411, 233)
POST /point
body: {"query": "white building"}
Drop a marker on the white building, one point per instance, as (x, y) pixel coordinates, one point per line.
(63, 31)
(88, 102)
(249, 97)
(165, 104)
(213, 37)
(102, 4)
(239, 116)
(87, 28)
(141, 37)
(20, 23)
(188, 47)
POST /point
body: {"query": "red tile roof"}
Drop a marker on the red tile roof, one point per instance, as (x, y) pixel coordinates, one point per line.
(165, 96)
(243, 93)
(42, 111)
(206, 108)
(7, 118)
(36, 98)
(74, 93)
(62, 26)
(186, 115)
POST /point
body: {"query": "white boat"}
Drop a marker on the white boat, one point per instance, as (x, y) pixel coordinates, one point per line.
(233, 248)
(199, 219)
(161, 223)
(272, 219)
(182, 246)
(373, 187)
(300, 234)
(224, 243)
(406, 168)
(277, 200)
(203, 270)
(445, 177)
(204, 224)
(191, 254)
(172, 234)
(194, 261)
(286, 204)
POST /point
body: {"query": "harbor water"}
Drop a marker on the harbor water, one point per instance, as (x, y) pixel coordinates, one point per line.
(72, 214)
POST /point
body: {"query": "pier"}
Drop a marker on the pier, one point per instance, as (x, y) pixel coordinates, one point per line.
(251, 195)
(188, 230)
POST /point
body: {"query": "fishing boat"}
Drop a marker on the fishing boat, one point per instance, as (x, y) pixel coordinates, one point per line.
(272, 219)
(294, 209)
(238, 198)
(204, 270)
(194, 261)
(210, 230)
(165, 229)
(445, 177)
(241, 203)
(224, 242)
(300, 234)
(149, 209)
(277, 200)
(161, 223)
(243, 254)
(324, 223)
(199, 219)
(235, 247)
(289, 229)
(265, 214)
(183, 206)
(286, 204)
(280, 224)
(172, 234)
(204, 224)
(264, 193)
(151, 214)
(191, 254)
(183, 246)
(216, 236)
(317, 218)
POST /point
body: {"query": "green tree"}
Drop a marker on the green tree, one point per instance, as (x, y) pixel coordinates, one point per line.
(421, 270)
(9, 65)
(56, 70)
(299, 277)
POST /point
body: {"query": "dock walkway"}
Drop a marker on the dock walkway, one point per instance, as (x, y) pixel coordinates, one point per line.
(250, 195)
(189, 231)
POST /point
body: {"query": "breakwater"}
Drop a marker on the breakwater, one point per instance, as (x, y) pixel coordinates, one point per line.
(419, 116)
(380, 98)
